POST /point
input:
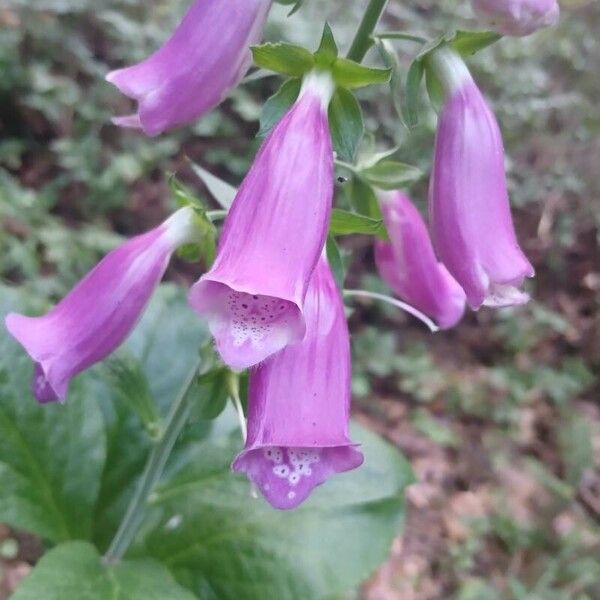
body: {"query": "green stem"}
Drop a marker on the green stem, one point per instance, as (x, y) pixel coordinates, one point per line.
(153, 471)
(363, 39)
(400, 35)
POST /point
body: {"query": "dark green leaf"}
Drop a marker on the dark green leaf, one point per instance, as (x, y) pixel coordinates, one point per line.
(75, 571)
(295, 4)
(327, 51)
(346, 123)
(350, 75)
(287, 59)
(210, 393)
(51, 457)
(277, 105)
(336, 262)
(391, 175)
(344, 222)
(410, 109)
(227, 545)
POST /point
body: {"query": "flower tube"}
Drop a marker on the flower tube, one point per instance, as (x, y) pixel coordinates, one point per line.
(101, 310)
(299, 405)
(517, 17)
(471, 222)
(253, 296)
(195, 69)
(407, 263)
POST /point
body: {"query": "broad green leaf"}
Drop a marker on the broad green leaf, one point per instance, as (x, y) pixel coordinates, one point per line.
(287, 59)
(470, 42)
(344, 222)
(410, 108)
(277, 105)
(223, 544)
(346, 124)
(349, 74)
(327, 52)
(166, 346)
(75, 571)
(51, 457)
(391, 174)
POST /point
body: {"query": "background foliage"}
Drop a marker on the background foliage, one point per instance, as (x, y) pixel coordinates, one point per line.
(498, 417)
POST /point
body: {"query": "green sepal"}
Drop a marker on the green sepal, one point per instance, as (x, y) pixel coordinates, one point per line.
(205, 246)
(336, 262)
(346, 124)
(344, 222)
(287, 59)
(277, 105)
(390, 174)
(351, 75)
(327, 52)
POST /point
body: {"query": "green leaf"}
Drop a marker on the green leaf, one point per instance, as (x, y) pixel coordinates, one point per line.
(287, 59)
(75, 571)
(391, 174)
(390, 60)
(227, 545)
(295, 4)
(223, 192)
(468, 43)
(346, 124)
(336, 262)
(362, 198)
(350, 75)
(277, 105)
(344, 222)
(328, 51)
(51, 457)
(130, 385)
(410, 110)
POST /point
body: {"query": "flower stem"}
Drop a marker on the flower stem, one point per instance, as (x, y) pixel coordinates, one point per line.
(363, 40)
(153, 471)
(397, 303)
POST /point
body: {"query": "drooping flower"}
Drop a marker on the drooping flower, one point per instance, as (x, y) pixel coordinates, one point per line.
(194, 70)
(407, 263)
(101, 310)
(253, 296)
(517, 17)
(299, 404)
(471, 222)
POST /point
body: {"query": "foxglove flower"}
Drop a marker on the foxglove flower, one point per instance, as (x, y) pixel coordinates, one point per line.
(99, 313)
(470, 214)
(253, 296)
(299, 403)
(517, 17)
(204, 59)
(407, 263)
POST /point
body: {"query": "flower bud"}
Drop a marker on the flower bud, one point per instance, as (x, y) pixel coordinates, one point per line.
(517, 17)
(407, 263)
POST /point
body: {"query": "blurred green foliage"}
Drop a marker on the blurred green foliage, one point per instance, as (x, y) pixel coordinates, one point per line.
(71, 185)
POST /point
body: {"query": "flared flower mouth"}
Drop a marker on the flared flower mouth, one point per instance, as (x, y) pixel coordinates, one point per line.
(287, 475)
(247, 327)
